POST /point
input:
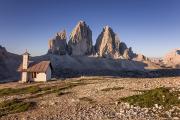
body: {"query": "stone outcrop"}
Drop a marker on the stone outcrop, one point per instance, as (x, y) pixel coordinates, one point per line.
(9, 63)
(172, 59)
(141, 57)
(58, 45)
(122, 48)
(80, 42)
(107, 44)
(128, 54)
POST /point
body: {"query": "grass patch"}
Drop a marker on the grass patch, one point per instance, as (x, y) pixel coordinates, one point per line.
(57, 89)
(161, 96)
(114, 88)
(12, 91)
(39, 90)
(14, 106)
(87, 99)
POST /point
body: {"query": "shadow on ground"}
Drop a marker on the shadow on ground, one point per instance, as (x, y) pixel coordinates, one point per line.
(67, 73)
(76, 66)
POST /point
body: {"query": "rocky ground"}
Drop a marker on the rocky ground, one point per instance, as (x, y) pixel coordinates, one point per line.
(91, 98)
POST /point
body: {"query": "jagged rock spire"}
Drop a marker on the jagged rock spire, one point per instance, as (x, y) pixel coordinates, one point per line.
(107, 44)
(58, 45)
(80, 42)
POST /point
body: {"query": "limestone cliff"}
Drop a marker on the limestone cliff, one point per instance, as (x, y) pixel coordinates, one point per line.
(107, 44)
(172, 59)
(80, 42)
(58, 45)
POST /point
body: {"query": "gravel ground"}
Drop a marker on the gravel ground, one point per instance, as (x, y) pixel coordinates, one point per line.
(98, 104)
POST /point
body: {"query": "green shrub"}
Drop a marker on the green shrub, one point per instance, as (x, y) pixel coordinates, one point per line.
(161, 96)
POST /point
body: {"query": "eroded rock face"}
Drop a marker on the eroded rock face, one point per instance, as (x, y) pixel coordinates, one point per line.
(140, 57)
(58, 45)
(80, 42)
(122, 48)
(128, 54)
(107, 44)
(172, 58)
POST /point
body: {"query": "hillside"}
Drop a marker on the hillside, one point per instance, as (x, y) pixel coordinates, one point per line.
(9, 63)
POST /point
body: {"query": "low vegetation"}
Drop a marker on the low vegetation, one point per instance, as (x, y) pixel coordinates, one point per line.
(14, 106)
(39, 90)
(17, 91)
(114, 88)
(161, 96)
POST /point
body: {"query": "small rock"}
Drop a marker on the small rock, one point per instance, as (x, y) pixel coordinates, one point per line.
(146, 110)
(176, 118)
(127, 105)
(156, 106)
(168, 113)
(179, 98)
(117, 102)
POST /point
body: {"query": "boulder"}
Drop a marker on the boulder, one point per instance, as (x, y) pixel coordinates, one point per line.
(107, 44)
(58, 45)
(80, 42)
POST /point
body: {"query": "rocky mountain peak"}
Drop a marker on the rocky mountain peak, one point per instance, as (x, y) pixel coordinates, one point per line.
(107, 44)
(81, 22)
(80, 42)
(61, 35)
(2, 48)
(108, 29)
(58, 44)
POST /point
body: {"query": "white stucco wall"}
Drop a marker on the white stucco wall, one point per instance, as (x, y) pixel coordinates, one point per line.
(24, 76)
(25, 61)
(41, 77)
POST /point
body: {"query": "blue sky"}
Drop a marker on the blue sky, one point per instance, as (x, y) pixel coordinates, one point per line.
(150, 27)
